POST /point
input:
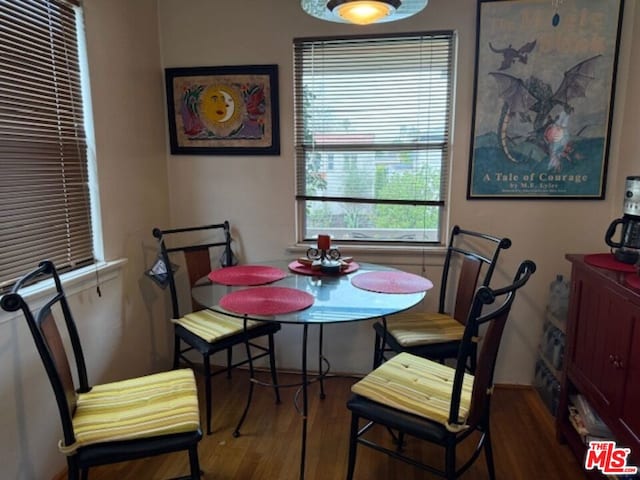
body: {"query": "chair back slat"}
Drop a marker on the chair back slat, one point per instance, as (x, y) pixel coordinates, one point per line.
(198, 263)
(483, 379)
(495, 320)
(52, 338)
(467, 284)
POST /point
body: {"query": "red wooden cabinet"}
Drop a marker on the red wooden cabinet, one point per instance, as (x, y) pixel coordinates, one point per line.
(602, 354)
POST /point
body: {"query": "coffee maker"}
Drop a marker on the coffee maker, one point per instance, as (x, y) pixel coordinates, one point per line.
(628, 248)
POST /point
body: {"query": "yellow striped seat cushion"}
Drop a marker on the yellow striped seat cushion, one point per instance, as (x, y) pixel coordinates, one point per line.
(417, 328)
(418, 386)
(153, 405)
(212, 326)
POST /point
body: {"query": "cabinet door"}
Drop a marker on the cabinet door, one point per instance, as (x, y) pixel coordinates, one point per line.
(630, 415)
(602, 336)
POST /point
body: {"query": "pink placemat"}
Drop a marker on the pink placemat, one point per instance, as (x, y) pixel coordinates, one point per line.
(633, 280)
(391, 282)
(298, 267)
(266, 301)
(247, 275)
(608, 261)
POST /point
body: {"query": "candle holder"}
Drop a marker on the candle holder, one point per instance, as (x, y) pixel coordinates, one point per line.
(318, 254)
(324, 257)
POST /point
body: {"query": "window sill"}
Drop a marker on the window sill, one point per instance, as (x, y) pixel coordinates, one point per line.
(73, 282)
(384, 254)
(370, 248)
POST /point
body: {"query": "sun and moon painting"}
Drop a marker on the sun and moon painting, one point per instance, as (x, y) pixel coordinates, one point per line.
(222, 110)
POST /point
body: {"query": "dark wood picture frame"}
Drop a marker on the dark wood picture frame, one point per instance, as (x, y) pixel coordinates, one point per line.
(230, 110)
(544, 90)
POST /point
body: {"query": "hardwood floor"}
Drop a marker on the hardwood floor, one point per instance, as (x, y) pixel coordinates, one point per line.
(269, 447)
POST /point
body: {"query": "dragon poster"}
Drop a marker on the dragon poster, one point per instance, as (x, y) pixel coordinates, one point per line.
(543, 98)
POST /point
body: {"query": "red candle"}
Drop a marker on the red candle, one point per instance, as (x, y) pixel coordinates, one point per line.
(324, 242)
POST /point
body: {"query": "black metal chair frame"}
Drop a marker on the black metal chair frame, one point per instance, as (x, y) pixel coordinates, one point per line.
(384, 342)
(194, 342)
(478, 419)
(41, 325)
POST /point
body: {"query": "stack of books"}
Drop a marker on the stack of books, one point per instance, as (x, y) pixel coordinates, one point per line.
(586, 421)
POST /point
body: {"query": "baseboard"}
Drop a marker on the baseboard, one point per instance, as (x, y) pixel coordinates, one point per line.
(513, 386)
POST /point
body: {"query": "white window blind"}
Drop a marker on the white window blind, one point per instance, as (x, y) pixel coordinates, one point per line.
(44, 192)
(372, 135)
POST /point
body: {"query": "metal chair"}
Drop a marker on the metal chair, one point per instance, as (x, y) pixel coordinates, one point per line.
(203, 330)
(437, 335)
(113, 422)
(434, 402)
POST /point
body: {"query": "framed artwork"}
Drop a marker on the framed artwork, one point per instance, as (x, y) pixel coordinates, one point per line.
(543, 98)
(223, 110)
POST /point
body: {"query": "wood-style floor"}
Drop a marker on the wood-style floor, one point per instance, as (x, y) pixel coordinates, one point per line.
(524, 442)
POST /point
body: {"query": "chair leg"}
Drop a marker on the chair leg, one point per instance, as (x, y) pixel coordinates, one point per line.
(84, 473)
(377, 351)
(194, 463)
(450, 460)
(400, 442)
(272, 365)
(73, 472)
(353, 446)
(488, 453)
(176, 351)
(236, 432)
(229, 361)
(207, 390)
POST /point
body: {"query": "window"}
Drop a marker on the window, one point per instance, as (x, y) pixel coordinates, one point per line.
(45, 210)
(372, 136)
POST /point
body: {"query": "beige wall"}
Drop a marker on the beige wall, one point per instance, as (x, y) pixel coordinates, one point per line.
(125, 331)
(257, 193)
(141, 186)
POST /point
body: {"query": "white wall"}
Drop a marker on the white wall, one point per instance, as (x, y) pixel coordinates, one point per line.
(257, 193)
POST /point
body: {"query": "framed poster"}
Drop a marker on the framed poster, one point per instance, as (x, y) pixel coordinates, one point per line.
(543, 99)
(223, 110)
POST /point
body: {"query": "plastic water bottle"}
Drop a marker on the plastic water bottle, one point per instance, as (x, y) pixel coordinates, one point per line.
(558, 351)
(559, 297)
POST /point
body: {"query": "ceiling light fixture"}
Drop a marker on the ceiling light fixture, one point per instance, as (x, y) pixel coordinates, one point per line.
(362, 12)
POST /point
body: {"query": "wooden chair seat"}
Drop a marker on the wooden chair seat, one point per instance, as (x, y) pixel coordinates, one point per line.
(417, 386)
(154, 405)
(212, 326)
(424, 328)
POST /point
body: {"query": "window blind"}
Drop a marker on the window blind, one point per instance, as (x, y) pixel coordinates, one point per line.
(44, 192)
(372, 126)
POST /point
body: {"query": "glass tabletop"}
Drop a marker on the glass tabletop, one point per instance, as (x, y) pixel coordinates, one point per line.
(335, 298)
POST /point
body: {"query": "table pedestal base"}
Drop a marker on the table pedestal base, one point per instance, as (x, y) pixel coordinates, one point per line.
(302, 386)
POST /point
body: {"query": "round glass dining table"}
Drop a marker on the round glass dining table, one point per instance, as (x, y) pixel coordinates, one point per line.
(335, 299)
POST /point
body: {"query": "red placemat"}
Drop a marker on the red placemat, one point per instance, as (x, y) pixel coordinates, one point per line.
(266, 301)
(247, 275)
(608, 261)
(392, 282)
(633, 280)
(298, 267)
